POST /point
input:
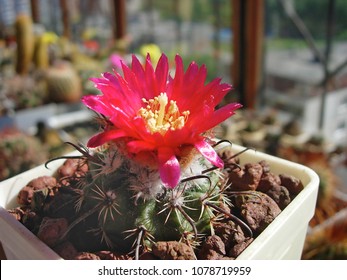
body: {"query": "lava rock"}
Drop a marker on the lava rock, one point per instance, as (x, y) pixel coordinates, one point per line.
(212, 249)
(66, 250)
(246, 178)
(173, 250)
(257, 209)
(109, 255)
(280, 195)
(294, 185)
(268, 181)
(73, 167)
(233, 237)
(52, 230)
(235, 251)
(26, 194)
(86, 256)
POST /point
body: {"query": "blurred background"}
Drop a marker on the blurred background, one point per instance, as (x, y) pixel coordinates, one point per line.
(286, 60)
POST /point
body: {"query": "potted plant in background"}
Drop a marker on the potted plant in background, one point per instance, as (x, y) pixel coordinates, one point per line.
(156, 184)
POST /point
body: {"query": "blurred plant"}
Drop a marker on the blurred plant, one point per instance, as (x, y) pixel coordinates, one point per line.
(153, 50)
(25, 43)
(328, 240)
(23, 92)
(63, 83)
(19, 152)
(42, 50)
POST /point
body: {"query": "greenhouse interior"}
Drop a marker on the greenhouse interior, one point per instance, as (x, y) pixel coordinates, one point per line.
(286, 62)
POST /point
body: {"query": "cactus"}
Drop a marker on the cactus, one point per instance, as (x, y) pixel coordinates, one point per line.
(19, 152)
(25, 91)
(165, 193)
(41, 56)
(126, 202)
(63, 83)
(25, 43)
(43, 52)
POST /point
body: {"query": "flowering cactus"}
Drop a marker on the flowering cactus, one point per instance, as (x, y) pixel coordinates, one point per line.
(153, 173)
(158, 120)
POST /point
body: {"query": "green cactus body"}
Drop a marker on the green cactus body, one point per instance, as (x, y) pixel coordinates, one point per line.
(131, 198)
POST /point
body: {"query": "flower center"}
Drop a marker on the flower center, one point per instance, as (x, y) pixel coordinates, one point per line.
(162, 115)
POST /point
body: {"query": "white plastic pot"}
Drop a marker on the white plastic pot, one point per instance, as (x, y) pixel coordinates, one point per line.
(282, 239)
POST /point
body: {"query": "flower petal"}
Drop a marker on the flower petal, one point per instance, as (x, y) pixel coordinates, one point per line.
(169, 167)
(103, 137)
(116, 60)
(139, 146)
(209, 153)
(161, 73)
(213, 118)
(96, 103)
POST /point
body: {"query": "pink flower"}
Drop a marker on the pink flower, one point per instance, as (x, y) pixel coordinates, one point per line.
(158, 118)
(116, 61)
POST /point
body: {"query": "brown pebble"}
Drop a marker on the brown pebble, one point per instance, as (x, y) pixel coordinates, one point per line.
(293, 184)
(51, 230)
(173, 250)
(247, 178)
(86, 256)
(257, 209)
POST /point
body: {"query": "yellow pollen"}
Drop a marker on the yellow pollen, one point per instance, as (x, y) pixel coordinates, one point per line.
(161, 115)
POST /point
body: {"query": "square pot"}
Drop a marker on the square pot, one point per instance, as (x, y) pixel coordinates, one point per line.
(282, 239)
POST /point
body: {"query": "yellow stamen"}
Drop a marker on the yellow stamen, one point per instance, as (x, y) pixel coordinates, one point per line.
(160, 117)
(162, 99)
